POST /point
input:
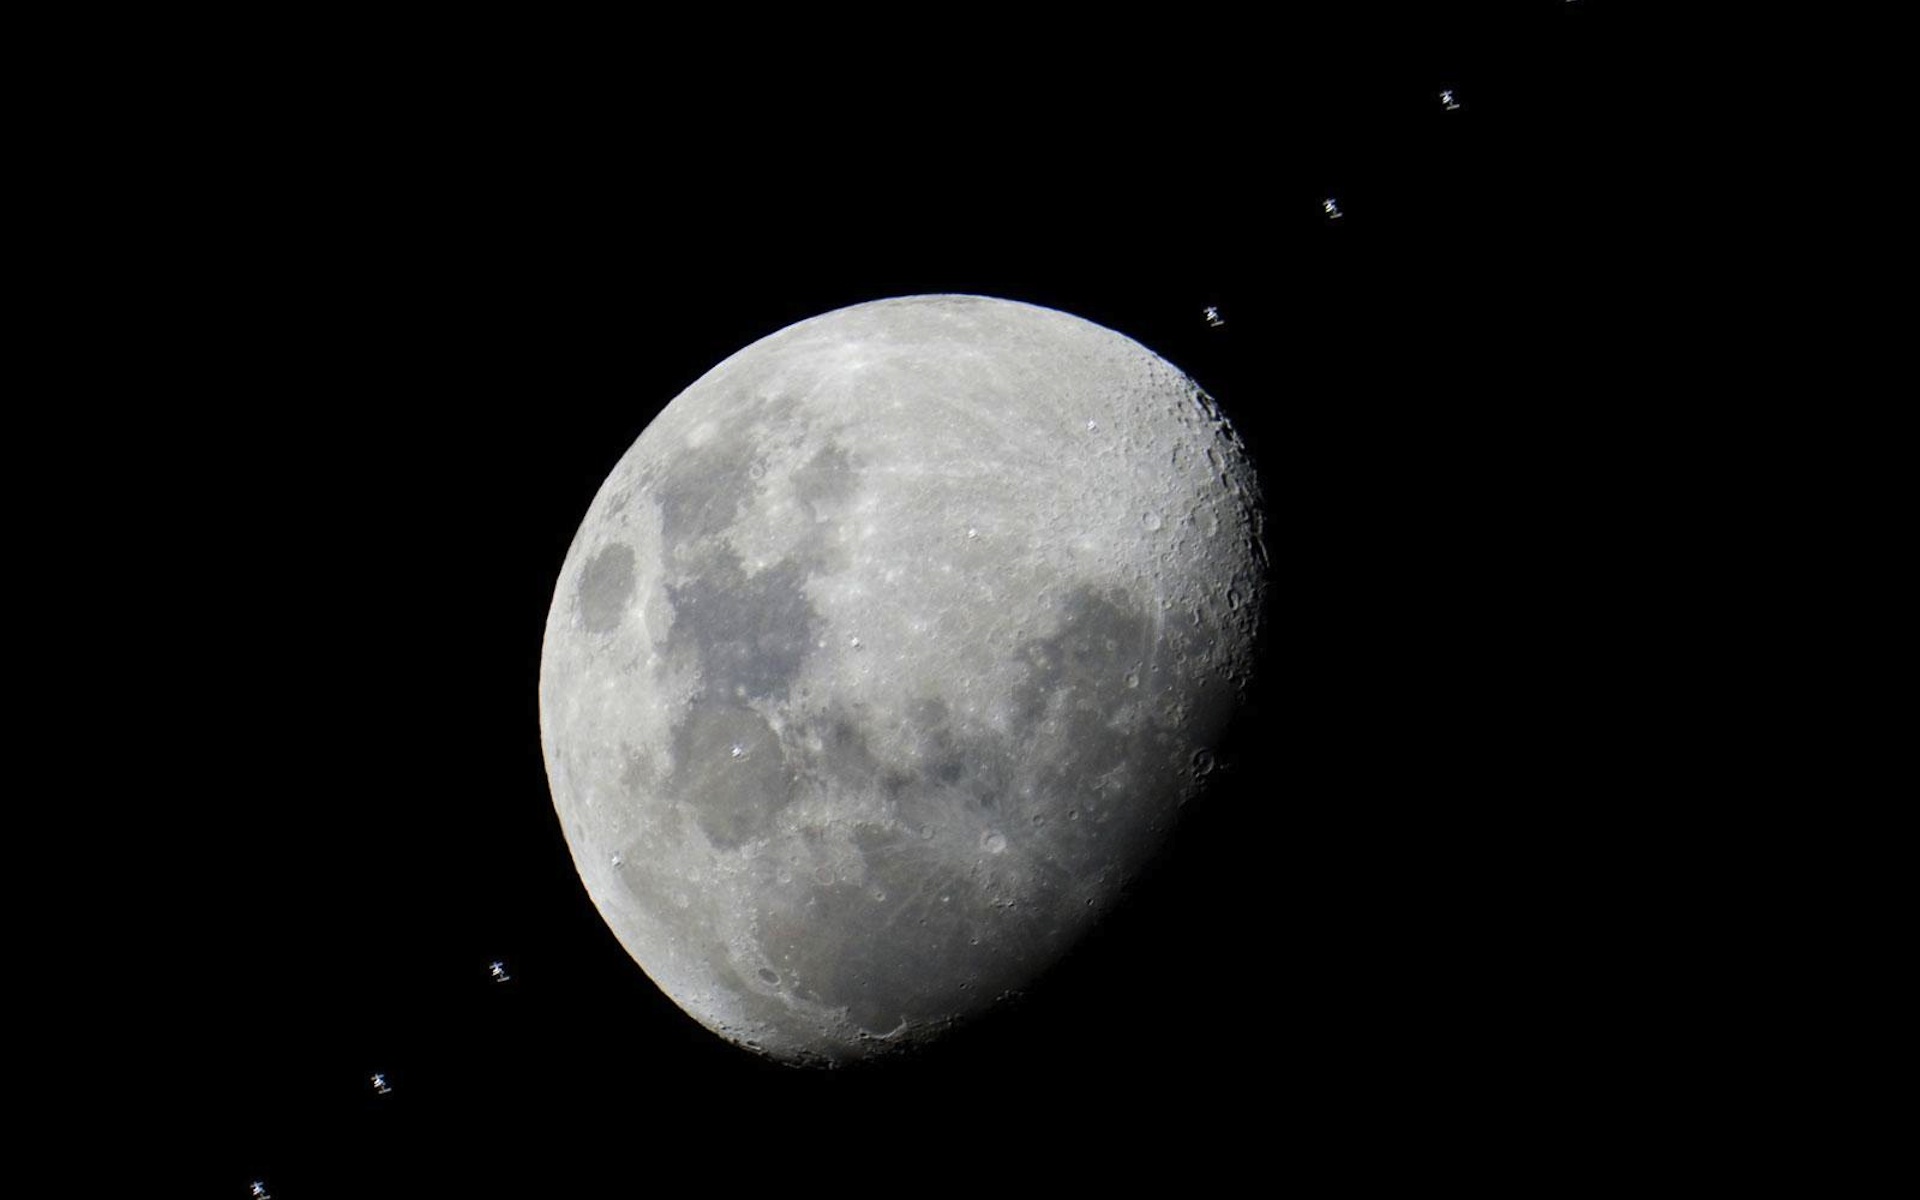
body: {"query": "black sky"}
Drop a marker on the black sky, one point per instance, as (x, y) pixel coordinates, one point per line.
(432, 282)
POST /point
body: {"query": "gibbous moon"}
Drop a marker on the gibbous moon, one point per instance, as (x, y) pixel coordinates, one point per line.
(887, 655)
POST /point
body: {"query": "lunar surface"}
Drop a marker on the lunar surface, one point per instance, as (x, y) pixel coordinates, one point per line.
(887, 655)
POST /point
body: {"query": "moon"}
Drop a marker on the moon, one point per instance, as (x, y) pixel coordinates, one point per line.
(886, 657)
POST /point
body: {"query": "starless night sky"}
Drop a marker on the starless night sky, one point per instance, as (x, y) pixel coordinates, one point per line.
(459, 270)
